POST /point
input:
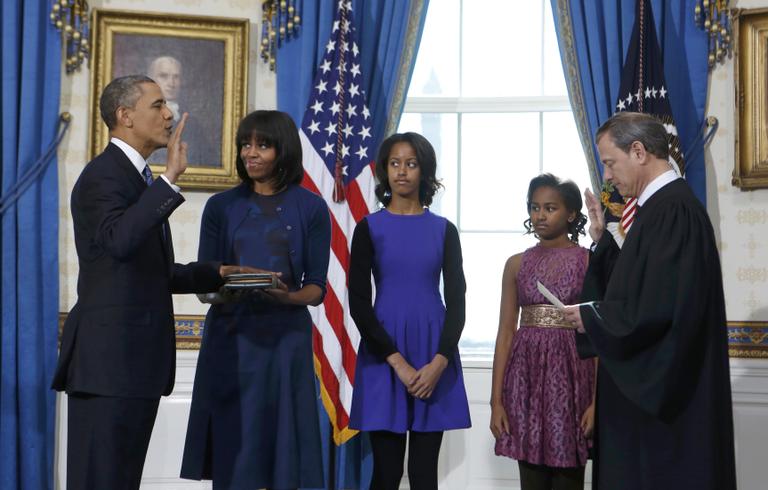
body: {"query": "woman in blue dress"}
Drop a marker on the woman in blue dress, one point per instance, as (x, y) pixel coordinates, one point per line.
(253, 421)
(408, 380)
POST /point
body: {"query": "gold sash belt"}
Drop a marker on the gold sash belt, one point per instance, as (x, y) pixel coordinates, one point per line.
(546, 316)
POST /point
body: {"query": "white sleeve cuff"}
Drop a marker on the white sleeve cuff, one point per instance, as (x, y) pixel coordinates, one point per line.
(175, 188)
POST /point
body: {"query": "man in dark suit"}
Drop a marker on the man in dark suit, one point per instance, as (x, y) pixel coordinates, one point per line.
(118, 347)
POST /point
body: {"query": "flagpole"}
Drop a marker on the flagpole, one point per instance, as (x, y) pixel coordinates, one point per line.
(331, 460)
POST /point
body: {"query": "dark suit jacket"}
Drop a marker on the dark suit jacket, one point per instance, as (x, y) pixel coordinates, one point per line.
(119, 338)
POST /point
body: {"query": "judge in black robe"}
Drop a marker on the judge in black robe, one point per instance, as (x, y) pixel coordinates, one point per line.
(664, 417)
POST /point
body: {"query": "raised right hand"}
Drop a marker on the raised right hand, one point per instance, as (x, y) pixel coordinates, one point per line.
(499, 421)
(596, 216)
(177, 152)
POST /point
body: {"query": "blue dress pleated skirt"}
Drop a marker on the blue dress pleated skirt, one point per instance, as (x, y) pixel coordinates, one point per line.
(408, 259)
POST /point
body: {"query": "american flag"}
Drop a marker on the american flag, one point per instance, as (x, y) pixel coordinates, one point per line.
(643, 89)
(338, 162)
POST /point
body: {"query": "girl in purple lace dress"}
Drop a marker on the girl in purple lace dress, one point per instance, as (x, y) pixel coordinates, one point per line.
(542, 400)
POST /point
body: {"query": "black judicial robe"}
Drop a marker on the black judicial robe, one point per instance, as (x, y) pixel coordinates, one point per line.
(664, 417)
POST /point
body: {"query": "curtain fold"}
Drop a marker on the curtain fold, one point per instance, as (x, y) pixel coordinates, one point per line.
(29, 284)
(594, 35)
(389, 34)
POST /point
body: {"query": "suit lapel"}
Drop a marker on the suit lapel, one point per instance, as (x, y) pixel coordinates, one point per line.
(139, 185)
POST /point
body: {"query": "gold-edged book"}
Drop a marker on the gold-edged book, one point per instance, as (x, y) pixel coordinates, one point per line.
(261, 280)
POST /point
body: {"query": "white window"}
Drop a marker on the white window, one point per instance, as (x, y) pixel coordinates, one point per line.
(488, 92)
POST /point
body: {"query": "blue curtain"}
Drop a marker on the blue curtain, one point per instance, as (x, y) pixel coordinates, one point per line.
(593, 36)
(29, 282)
(389, 34)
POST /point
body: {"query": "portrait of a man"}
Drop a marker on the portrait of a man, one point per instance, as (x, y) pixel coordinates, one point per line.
(186, 71)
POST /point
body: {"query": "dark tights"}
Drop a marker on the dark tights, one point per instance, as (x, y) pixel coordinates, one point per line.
(389, 452)
(540, 477)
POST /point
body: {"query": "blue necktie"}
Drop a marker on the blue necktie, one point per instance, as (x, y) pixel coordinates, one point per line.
(147, 173)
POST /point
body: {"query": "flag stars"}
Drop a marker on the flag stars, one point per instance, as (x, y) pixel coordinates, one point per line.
(337, 88)
(629, 99)
(354, 90)
(348, 131)
(365, 132)
(330, 46)
(322, 86)
(342, 68)
(621, 106)
(362, 152)
(355, 50)
(366, 114)
(662, 92)
(327, 149)
(317, 106)
(326, 66)
(355, 70)
(351, 111)
(335, 108)
(330, 129)
(344, 151)
(647, 92)
(654, 92)
(314, 127)
(335, 26)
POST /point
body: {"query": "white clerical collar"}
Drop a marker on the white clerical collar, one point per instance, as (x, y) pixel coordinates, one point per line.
(656, 184)
(134, 156)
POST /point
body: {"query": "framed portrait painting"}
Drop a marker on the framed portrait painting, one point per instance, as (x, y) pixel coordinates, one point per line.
(751, 108)
(201, 66)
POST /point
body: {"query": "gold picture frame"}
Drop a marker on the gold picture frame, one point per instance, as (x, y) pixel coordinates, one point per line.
(204, 62)
(751, 107)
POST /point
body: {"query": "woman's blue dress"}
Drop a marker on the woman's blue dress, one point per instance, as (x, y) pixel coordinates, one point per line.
(253, 422)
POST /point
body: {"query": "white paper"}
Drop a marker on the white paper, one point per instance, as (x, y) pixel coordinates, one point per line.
(548, 294)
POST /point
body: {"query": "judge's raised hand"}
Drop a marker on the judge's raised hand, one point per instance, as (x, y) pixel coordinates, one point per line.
(596, 216)
(177, 153)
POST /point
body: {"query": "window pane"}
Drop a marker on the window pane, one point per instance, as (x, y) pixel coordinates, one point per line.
(554, 81)
(501, 52)
(563, 154)
(499, 156)
(437, 64)
(441, 130)
(484, 257)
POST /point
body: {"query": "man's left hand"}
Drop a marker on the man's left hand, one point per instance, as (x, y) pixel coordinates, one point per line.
(572, 315)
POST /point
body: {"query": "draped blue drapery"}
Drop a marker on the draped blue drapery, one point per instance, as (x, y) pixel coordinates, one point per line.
(389, 34)
(29, 291)
(593, 36)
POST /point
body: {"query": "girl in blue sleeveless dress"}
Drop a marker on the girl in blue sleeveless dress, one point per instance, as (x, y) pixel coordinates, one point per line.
(408, 378)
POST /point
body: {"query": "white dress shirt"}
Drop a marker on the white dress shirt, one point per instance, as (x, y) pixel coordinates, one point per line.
(138, 161)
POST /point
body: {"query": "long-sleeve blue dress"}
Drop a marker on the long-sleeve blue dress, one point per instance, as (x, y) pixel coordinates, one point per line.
(253, 421)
